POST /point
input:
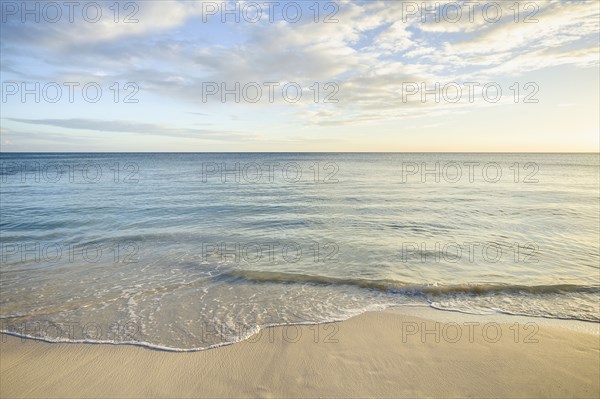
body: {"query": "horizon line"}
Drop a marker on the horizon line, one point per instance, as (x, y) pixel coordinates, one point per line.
(299, 152)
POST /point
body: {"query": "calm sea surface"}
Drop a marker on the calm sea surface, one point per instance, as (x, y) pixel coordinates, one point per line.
(188, 251)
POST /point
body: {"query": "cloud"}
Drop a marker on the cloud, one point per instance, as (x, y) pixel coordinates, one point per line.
(558, 24)
(94, 22)
(373, 49)
(137, 128)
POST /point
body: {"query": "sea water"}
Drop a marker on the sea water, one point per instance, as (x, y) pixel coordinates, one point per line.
(195, 250)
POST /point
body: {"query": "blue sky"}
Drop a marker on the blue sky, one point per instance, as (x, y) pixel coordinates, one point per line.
(367, 57)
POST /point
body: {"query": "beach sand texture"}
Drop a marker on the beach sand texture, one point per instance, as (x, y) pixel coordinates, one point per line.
(376, 354)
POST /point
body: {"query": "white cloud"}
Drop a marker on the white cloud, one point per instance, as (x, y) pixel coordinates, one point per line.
(370, 52)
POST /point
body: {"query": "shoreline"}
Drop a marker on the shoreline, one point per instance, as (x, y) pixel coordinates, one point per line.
(390, 353)
(421, 311)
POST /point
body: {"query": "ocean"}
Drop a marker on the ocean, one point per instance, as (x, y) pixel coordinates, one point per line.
(189, 251)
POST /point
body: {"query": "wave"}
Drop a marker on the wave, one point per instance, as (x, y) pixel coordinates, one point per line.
(253, 331)
(405, 287)
(142, 344)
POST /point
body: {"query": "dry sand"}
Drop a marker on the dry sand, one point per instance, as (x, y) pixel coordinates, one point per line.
(371, 355)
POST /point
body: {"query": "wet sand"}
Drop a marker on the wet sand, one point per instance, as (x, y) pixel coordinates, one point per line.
(377, 354)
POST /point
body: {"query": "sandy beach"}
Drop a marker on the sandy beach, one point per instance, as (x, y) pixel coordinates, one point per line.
(377, 354)
(300, 199)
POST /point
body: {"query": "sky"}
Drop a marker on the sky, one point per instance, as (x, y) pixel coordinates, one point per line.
(233, 76)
